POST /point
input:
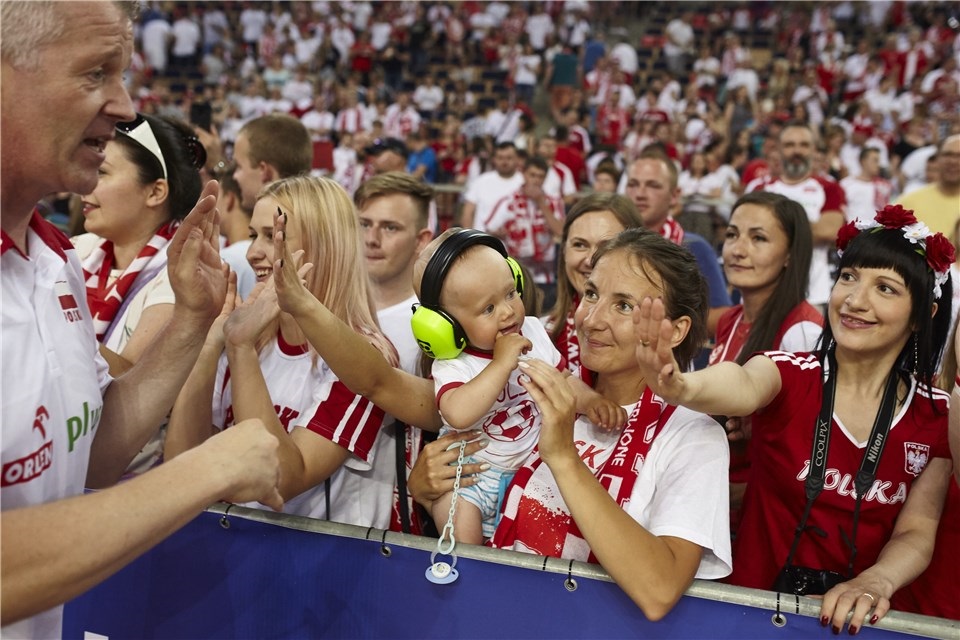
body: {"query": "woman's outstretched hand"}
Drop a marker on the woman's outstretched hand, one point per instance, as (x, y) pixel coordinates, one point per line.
(288, 274)
(654, 351)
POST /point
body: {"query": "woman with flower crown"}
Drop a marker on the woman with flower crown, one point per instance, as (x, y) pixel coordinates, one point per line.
(849, 449)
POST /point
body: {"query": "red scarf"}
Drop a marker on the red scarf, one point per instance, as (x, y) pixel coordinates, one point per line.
(105, 299)
(527, 235)
(617, 475)
(567, 342)
(672, 231)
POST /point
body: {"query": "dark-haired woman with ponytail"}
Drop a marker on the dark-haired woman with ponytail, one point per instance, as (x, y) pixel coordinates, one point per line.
(148, 183)
(766, 257)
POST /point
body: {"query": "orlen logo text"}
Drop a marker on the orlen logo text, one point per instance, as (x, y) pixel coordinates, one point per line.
(33, 464)
(29, 466)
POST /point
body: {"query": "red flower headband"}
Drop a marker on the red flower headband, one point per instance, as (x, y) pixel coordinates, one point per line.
(935, 247)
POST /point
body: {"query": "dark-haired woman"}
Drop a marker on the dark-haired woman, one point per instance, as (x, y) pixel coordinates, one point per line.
(595, 218)
(766, 256)
(149, 181)
(849, 445)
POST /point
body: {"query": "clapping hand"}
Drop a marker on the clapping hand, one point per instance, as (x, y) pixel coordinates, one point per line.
(289, 276)
(197, 275)
(557, 404)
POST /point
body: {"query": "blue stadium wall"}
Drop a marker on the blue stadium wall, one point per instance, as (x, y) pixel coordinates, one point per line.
(254, 574)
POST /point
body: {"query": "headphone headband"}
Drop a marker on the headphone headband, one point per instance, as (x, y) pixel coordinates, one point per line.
(442, 260)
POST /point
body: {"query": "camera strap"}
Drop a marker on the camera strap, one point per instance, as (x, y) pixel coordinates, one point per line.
(867, 473)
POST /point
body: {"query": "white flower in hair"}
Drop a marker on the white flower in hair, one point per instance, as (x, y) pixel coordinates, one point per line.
(917, 233)
(939, 279)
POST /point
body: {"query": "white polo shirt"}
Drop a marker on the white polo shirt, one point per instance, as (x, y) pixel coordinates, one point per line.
(53, 383)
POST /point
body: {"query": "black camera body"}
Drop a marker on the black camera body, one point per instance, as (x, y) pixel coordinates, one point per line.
(804, 581)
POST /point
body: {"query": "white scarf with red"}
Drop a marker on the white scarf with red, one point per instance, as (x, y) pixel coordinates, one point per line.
(105, 298)
(617, 475)
(529, 238)
(672, 231)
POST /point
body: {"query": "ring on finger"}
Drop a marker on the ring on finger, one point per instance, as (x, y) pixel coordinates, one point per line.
(645, 343)
(873, 598)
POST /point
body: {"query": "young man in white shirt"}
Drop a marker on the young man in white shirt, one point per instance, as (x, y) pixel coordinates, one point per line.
(491, 186)
(393, 209)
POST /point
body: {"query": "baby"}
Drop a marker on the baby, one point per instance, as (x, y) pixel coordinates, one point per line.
(471, 320)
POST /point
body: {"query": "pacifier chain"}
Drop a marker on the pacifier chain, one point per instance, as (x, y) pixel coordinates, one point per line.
(442, 572)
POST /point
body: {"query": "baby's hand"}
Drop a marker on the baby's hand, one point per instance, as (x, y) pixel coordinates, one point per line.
(509, 347)
(606, 414)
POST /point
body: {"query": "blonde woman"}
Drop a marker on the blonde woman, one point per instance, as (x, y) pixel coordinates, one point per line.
(257, 362)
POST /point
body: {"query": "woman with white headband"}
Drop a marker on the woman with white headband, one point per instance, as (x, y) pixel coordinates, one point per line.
(149, 181)
(849, 449)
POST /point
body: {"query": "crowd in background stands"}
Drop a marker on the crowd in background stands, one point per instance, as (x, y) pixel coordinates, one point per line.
(452, 79)
(722, 90)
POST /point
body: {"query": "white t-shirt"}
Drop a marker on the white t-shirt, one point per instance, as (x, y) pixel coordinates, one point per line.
(512, 424)
(316, 121)
(156, 291)
(252, 22)
(53, 384)
(679, 37)
(186, 37)
(312, 397)
(395, 324)
(428, 98)
(626, 56)
(538, 27)
(487, 190)
(559, 182)
(865, 197)
(154, 37)
(681, 489)
(527, 69)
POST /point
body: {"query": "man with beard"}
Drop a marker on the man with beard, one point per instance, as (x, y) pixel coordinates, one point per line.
(488, 189)
(821, 197)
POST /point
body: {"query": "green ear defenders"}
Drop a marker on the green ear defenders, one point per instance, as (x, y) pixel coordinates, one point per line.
(438, 333)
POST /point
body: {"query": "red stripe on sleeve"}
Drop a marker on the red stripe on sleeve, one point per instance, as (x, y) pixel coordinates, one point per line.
(447, 387)
(348, 420)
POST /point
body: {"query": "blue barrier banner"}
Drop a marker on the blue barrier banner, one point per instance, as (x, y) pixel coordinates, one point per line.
(259, 580)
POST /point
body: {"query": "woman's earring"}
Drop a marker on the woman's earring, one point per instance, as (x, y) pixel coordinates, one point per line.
(916, 337)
